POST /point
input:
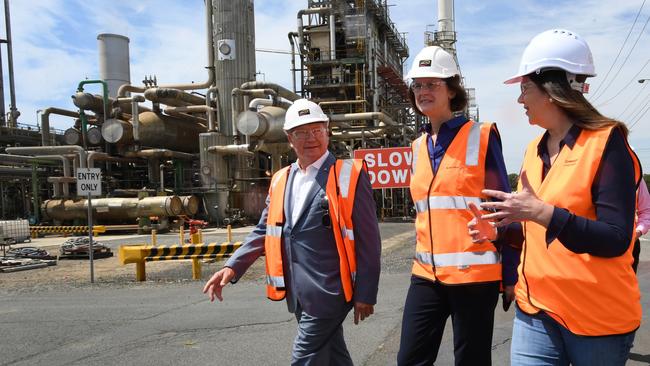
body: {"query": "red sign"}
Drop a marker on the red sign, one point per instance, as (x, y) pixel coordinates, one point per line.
(389, 167)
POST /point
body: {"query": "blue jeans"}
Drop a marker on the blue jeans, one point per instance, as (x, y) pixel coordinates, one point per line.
(540, 340)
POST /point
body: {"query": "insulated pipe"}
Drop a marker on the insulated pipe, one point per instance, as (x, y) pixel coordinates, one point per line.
(45, 122)
(162, 177)
(113, 208)
(172, 97)
(88, 101)
(192, 86)
(102, 156)
(213, 95)
(159, 153)
(293, 59)
(209, 111)
(363, 116)
(257, 102)
(66, 170)
(308, 11)
(343, 102)
(51, 150)
(332, 37)
(42, 159)
(231, 150)
(248, 91)
(279, 89)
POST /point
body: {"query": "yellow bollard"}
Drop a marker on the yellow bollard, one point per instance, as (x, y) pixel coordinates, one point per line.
(154, 240)
(196, 269)
(181, 233)
(200, 236)
(195, 238)
(229, 234)
(139, 272)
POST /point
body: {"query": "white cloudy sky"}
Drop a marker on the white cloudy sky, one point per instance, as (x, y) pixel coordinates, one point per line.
(55, 47)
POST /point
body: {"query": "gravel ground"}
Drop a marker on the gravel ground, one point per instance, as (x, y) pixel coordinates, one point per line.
(75, 273)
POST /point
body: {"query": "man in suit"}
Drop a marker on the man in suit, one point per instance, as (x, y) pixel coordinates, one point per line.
(321, 239)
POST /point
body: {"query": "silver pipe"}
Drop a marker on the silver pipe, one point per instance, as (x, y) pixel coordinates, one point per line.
(162, 177)
(209, 111)
(51, 150)
(231, 150)
(13, 112)
(45, 122)
(293, 59)
(300, 14)
(213, 114)
(192, 86)
(381, 116)
(66, 170)
(172, 97)
(279, 89)
(332, 36)
(257, 102)
(159, 153)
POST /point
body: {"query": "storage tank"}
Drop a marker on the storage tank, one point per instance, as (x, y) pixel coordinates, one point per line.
(114, 65)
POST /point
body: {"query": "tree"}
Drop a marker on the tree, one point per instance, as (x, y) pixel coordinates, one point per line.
(513, 179)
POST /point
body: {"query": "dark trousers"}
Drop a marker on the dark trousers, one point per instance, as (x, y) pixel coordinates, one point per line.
(429, 304)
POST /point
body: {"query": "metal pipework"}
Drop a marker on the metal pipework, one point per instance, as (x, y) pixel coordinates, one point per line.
(155, 130)
(209, 111)
(51, 150)
(192, 86)
(172, 97)
(135, 111)
(113, 208)
(266, 124)
(231, 150)
(300, 25)
(293, 58)
(279, 89)
(159, 153)
(42, 159)
(102, 156)
(90, 102)
(190, 205)
(253, 104)
(343, 102)
(45, 122)
(13, 112)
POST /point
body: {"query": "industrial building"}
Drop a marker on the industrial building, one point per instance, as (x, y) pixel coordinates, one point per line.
(209, 149)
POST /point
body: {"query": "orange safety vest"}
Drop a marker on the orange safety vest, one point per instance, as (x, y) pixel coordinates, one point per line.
(444, 250)
(340, 191)
(588, 295)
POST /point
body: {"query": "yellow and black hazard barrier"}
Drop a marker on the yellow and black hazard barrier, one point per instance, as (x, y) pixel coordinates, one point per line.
(142, 253)
(36, 231)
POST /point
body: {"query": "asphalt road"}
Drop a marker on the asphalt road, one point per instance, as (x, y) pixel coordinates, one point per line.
(168, 321)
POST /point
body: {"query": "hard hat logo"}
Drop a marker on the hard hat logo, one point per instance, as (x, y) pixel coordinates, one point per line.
(303, 112)
(425, 63)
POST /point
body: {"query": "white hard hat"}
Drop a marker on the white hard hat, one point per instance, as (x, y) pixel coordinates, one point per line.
(303, 112)
(433, 62)
(556, 49)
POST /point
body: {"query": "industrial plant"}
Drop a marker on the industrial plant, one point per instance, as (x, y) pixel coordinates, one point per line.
(207, 150)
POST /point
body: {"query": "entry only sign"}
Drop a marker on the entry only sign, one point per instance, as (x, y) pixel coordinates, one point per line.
(89, 181)
(388, 167)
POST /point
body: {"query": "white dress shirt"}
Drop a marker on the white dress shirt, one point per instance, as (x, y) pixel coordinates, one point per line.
(303, 181)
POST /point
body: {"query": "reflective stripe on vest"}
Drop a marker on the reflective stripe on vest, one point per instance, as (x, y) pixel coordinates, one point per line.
(274, 230)
(473, 146)
(461, 260)
(587, 294)
(444, 250)
(445, 203)
(275, 281)
(346, 174)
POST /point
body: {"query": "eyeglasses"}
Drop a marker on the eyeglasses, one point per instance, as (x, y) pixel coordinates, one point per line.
(304, 134)
(526, 87)
(432, 85)
(325, 205)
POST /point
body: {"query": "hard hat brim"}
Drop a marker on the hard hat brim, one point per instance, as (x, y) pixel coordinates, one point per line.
(306, 121)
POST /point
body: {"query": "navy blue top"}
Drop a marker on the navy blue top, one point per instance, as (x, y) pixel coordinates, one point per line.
(614, 196)
(496, 177)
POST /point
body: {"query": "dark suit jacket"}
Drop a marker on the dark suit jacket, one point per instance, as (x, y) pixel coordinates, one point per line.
(310, 258)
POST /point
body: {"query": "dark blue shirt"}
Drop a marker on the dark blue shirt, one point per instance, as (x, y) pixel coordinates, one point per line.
(614, 196)
(496, 177)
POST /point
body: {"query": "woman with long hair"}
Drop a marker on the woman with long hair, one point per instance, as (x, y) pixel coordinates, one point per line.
(577, 298)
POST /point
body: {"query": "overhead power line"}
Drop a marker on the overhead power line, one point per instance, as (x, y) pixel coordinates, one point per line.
(626, 85)
(620, 50)
(627, 107)
(623, 64)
